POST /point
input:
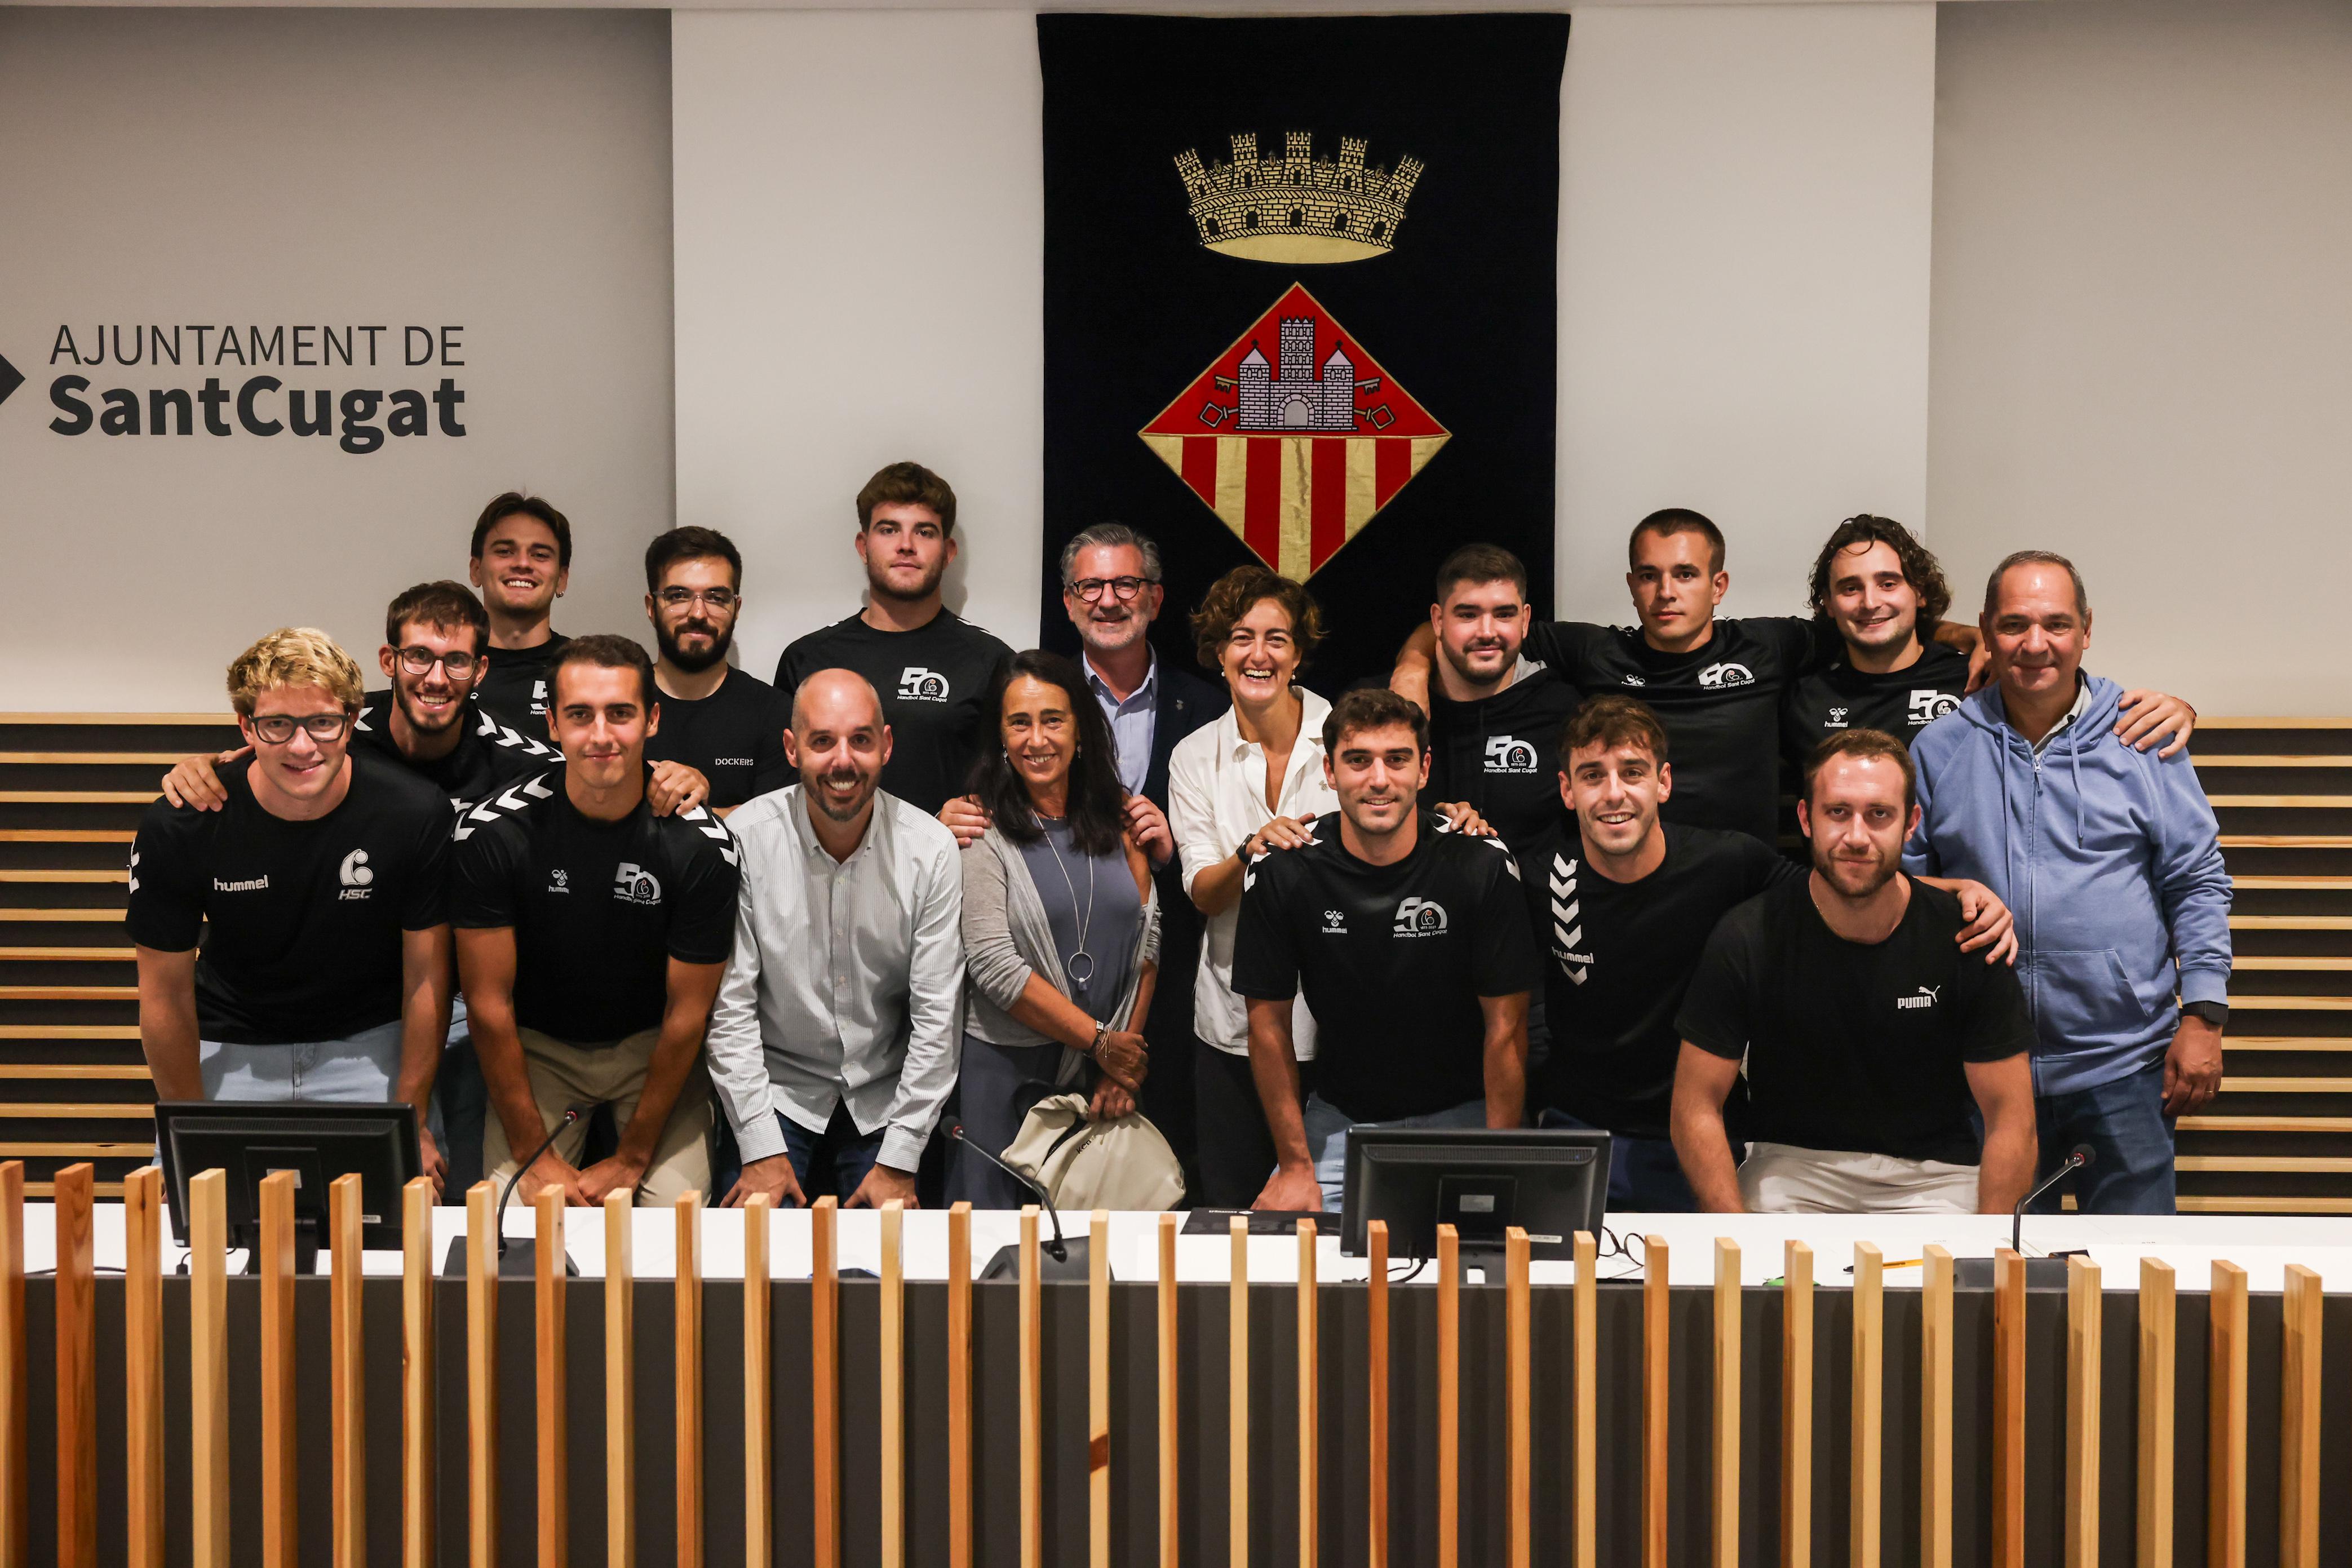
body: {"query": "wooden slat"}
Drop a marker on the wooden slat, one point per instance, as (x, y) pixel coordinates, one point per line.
(2084, 1311)
(2291, 1205)
(16, 1386)
(960, 1386)
(91, 956)
(893, 1311)
(1725, 1447)
(224, 721)
(2153, 1494)
(2236, 1043)
(2225, 1420)
(347, 1349)
(2256, 760)
(2263, 723)
(1797, 1406)
(2239, 1124)
(686, 1374)
(60, 874)
(77, 1369)
(1449, 1397)
(208, 1458)
(553, 1469)
(1586, 1486)
(1936, 1408)
(2291, 923)
(2276, 802)
(1865, 1499)
(482, 1376)
(417, 1412)
(2286, 841)
(1376, 1398)
(2298, 884)
(77, 1110)
(1099, 1390)
(62, 917)
(2298, 963)
(2242, 1004)
(142, 1368)
(1656, 1349)
(280, 1477)
(1032, 1373)
(1171, 1429)
(2299, 1412)
(72, 1032)
(1237, 1395)
(96, 759)
(2266, 1164)
(759, 1377)
(68, 993)
(1517, 1374)
(66, 834)
(78, 796)
(825, 1381)
(2251, 1084)
(1310, 1405)
(620, 1380)
(2008, 1410)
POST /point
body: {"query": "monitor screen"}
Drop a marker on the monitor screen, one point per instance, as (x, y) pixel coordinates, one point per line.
(317, 1141)
(1550, 1183)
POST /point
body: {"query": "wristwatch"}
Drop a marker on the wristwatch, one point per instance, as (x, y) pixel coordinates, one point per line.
(1243, 850)
(2214, 1013)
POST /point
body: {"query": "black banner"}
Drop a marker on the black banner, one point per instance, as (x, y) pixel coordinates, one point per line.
(1300, 303)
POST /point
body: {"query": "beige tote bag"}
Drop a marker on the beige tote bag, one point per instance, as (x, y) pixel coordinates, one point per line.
(1087, 1164)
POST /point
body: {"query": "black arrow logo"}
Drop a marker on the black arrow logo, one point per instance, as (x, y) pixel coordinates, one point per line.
(11, 378)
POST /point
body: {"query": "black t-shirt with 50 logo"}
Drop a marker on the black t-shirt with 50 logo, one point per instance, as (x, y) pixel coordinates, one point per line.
(933, 682)
(1839, 696)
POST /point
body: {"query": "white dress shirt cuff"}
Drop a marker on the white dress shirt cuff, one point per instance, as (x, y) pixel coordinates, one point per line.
(902, 1149)
(759, 1137)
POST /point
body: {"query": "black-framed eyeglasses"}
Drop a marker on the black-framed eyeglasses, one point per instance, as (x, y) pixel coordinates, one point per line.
(420, 660)
(679, 598)
(278, 728)
(1091, 589)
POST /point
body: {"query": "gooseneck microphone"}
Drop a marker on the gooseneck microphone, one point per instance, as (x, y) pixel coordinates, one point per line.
(518, 1260)
(571, 1114)
(2081, 1157)
(1068, 1257)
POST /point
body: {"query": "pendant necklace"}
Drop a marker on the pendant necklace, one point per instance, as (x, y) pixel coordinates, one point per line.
(1070, 966)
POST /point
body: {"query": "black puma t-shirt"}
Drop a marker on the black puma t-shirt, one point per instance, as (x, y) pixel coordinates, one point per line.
(1393, 961)
(1617, 958)
(1855, 1047)
(734, 737)
(300, 921)
(1838, 696)
(1720, 704)
(1502, 753)
(488, 756)
(598, 909)
(514, 687)
(934, 685)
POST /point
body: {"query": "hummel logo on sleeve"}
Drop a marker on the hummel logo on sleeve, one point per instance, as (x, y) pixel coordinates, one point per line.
(711, 826)
(507, 738)
(1567, 912)
(495, 806)
(134, 870)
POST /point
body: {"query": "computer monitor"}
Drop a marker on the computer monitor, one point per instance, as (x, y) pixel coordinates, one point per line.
(317, 1141)
(1550, 1183)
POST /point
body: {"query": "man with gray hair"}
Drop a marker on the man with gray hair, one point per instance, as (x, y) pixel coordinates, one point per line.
(833, 1040)
(2110, 860)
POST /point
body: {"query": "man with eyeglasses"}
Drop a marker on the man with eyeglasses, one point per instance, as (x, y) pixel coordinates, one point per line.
(724, 723)
(317, 893)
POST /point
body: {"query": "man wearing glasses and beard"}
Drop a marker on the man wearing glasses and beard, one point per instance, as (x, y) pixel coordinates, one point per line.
(318, 891)
(724, 724)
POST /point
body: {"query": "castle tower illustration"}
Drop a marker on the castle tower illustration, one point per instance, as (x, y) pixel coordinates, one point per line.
(1295, 395)
(1295, 207)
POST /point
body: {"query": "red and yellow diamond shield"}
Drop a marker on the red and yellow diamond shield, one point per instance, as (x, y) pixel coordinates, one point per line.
(1295, 437)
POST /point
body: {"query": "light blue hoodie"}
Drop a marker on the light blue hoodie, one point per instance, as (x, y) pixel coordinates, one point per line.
(2111, 862)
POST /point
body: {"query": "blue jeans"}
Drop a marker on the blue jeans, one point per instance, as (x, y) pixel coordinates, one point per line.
(1327, 1138)
(365, 1067)
(838, 1158)
(1645, 1175)
(2123, 1121)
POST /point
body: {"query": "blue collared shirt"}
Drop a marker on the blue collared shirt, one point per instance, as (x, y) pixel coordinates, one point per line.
(1132, 723)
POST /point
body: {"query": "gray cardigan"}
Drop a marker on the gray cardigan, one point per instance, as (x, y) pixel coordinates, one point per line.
(1007, 937)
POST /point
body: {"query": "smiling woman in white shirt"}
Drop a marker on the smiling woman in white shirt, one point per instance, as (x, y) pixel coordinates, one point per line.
(1252, 780)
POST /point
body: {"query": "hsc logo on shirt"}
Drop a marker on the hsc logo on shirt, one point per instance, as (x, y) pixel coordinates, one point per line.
(1928, 706)
(356, 874)
(1721, 675)
(1509, 755)
(917, 684)
(633, 884)
(1420, 917)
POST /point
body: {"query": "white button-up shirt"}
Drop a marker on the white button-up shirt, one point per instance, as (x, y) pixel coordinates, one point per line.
(845, 978)
(1132, 722)
(1216, 798)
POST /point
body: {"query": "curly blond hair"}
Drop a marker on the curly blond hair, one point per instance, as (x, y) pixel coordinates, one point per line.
(293, 656)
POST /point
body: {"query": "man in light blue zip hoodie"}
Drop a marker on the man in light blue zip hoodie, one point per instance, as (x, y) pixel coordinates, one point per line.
(2110, 861)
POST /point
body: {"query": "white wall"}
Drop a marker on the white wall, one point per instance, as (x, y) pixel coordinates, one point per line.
(859, 262)
(1745, 212)
(507, 171)
(2143, 331)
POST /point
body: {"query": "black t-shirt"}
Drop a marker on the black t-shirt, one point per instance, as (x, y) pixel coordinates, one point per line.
(1392, 960)
(1720, 704)
(598, 909)
(301, 920)
(934, 684)
(514, 687)
(735, 737)
(1502, 754)
(1854, 1046)
(1839, 696)
(1619, 955)
(488, 755)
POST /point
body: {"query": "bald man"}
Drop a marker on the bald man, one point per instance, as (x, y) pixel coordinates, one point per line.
(834, 1042)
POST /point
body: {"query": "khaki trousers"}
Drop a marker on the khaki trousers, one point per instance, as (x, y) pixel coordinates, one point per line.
(562, 1076)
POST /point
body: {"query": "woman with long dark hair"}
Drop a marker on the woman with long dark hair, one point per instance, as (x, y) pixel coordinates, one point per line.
(1061, 926)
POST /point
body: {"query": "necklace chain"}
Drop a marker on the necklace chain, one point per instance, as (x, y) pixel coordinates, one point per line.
(1086, 923)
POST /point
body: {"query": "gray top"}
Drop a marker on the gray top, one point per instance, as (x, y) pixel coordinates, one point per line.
(1008, 937)
(1090, 903)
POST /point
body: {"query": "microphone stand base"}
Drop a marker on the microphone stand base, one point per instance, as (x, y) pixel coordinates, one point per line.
(520, 1260)
(1006, 1264)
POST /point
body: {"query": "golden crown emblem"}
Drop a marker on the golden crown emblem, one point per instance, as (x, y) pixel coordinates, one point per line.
(1296, 207)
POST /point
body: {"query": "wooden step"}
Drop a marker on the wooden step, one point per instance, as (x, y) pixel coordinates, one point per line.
(2239, 961)
(46, 1070)
(90, 759)
(218, 721)
(127, 994)
(42, 875)
(68, 1031)
(77, 1150)
(2293, 884)
(67, 835)
(2266, 1124)
(2247, 923)
(2287, 1042)
(2286, 841)
(2254, 724)
(128, 1111)
(2286, 1085)
(2291, 1003)
(2265, 1164)
(2216, 760)
(123, 955)
(2205, 1203)
(2280, 802)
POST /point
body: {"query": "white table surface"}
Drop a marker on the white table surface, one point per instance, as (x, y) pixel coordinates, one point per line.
(2263, 1246)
